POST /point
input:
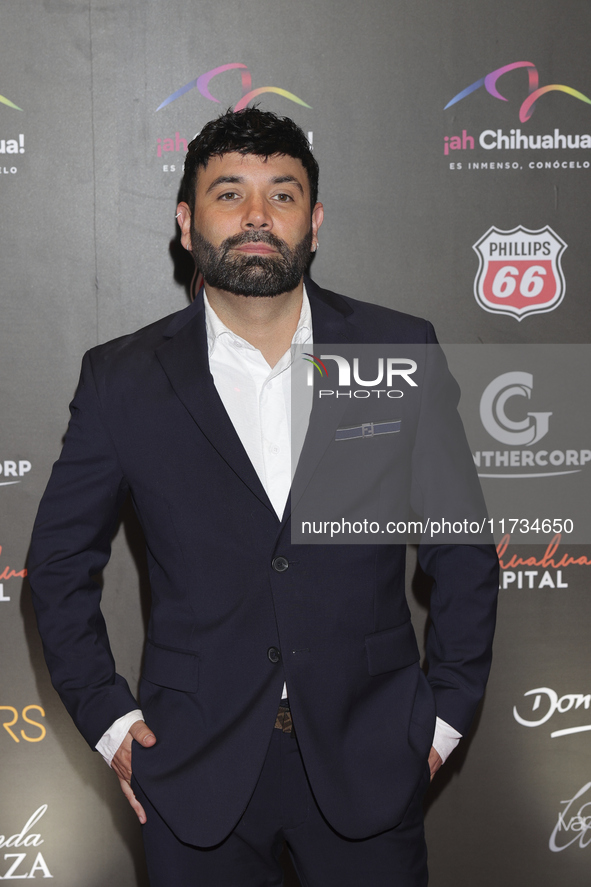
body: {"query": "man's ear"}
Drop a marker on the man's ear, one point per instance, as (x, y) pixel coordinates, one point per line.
(183, 217)
(317, 219)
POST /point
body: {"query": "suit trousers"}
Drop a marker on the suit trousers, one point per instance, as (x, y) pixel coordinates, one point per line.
(282, 810)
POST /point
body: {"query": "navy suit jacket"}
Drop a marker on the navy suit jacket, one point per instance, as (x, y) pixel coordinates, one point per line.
(147, 421)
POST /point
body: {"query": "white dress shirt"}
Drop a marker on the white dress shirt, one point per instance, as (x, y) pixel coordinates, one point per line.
(257, 399)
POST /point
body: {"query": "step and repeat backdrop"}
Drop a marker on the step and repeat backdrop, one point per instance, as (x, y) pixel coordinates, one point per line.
(454, 142)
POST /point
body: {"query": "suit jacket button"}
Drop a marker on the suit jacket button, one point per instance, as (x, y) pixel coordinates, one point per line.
(274, 654)
(280, 564)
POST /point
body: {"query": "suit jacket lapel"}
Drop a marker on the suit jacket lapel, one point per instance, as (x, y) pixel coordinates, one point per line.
(183, 357)
(330, 326)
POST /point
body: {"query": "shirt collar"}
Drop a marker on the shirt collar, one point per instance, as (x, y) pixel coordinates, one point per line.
(216, 328)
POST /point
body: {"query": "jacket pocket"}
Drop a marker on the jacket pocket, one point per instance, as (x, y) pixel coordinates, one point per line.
(175, 669)
(391, 649)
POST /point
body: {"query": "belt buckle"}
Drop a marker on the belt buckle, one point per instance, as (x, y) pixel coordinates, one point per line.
(367, 429)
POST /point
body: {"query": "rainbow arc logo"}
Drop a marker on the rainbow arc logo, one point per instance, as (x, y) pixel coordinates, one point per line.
(202, 85)
(10, 104)
(535, 90)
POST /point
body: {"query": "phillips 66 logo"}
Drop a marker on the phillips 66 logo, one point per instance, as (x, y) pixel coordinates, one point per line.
(519, 271)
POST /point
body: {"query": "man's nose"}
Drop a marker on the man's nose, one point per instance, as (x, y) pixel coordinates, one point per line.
(256, 213)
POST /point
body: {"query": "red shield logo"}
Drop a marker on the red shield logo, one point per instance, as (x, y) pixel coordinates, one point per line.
(519, 271)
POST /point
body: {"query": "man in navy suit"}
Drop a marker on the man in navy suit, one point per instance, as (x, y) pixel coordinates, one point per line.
(281, 689)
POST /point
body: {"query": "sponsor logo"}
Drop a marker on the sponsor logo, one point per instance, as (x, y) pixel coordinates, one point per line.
(549, 567)
(10, 104)
(573, 823)
(13, 145)
(11, 719)
(6, 574)
(546, 703)
(13, 470)
(248, 94)
(516, 140)
(520, 432)
(30, 863)
(519, 271)
(535, 91)
(495, 419)
(178, 144)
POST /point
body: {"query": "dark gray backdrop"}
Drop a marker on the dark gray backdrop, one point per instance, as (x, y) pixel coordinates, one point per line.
(90, 252)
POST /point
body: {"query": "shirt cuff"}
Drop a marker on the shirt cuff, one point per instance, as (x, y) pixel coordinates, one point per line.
(112, 739)
(445, 739)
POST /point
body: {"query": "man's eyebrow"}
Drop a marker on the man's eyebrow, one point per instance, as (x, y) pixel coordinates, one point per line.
(225, 180)
(280, 180)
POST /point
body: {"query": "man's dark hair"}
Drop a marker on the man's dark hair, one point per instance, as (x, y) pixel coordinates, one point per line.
(250, 131)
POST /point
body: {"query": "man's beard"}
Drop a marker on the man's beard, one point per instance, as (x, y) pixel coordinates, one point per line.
(250, 275)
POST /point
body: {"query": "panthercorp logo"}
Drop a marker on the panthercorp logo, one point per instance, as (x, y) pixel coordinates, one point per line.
(506, 417)
(519, 271)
